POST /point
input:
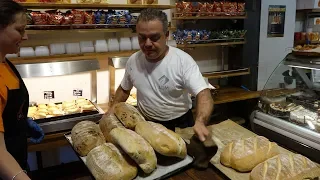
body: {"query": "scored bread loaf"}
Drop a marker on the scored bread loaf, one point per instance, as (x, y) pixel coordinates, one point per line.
(107, 123)
(85, 136)
(136, 147)
(287, 166)
(128, 115)
(244, 154)
(163, 140)
(107, 162)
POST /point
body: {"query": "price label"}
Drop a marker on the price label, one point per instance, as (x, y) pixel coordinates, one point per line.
(77, 92)
(48, 94)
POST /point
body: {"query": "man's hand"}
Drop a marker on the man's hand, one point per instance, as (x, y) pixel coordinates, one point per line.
(201, 130)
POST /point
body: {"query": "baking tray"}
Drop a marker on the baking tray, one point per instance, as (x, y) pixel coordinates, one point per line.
(167, 166)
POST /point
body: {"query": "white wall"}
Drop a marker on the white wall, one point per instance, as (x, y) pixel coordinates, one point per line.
(273, 50)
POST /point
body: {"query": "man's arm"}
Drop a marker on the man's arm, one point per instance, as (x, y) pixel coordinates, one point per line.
(120, 96)
(204, 106)
(8, 165)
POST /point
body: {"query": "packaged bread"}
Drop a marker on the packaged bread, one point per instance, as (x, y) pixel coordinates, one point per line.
(162, 140)
(287, 166)
(128, 115)
(107, 162)
(107, 123)
(85, 136)
(136, 147)
(244, 154)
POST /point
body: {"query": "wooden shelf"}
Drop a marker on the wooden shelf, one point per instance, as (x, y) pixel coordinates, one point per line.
(210, 44)
(225, 74)
(111, 30)
(226, 95)
(93, 6)
(208, 17)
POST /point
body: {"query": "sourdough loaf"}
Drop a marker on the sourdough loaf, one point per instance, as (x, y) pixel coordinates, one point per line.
(107, 123)
(244, 154)
(136, 147)
(128, 115)
(163, 140)
(287, 166)
(107, 162)
(85, 136)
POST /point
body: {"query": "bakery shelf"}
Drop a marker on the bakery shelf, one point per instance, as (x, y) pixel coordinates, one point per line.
(208, 17)
(210, 44)
(93, 6)
(111, 30)
(233, 94)
(227, 73)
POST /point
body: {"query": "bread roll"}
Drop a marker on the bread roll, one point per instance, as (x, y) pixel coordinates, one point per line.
(50, 105)
(85, 136)
(163, 140)
(45, 111)
(244, 154)
(107, 123)
(33, 108)
(136, 147)
(128, 115)
(42, 106)
(88, 107)
(73, 110)
(107, 162)
(79, 100)
(287, 166)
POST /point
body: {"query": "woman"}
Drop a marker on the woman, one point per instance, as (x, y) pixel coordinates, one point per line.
(14, 97)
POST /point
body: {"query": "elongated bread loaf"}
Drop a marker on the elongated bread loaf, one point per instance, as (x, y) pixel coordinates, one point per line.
(163, 140)
(85, 136)
(107, 123)
(287, 166)
(128, 115)
(244, 154)
(136, 147)
(107, 162)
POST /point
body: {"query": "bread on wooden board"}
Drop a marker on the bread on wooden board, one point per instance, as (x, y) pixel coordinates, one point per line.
(288, 166)
(136, 147)
(107, 162)
(107, 123)
(128, 115)
(163, 140)
(244, 154)
(85, 136)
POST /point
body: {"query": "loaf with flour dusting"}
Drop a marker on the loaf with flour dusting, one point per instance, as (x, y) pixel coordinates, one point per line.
(107, 123)
(128, 115)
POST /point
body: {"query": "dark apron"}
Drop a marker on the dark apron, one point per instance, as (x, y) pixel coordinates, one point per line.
(15, 121)
(184, 121)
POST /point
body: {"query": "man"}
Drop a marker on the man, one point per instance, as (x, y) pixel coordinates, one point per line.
(163, 77)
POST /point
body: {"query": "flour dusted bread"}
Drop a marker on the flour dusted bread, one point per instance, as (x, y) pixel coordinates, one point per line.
(128, 115)
(107, 123)
(85, 136)
(107, 162)
(163, 140)
(287, 166)
(136, 147)
(244, 154)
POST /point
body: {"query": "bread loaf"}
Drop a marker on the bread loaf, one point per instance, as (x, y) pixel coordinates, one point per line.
(107, 123)
(128, 115)
(107, 162)
(287, 166)
(85, 136)
(136, 147)
(243, 155)
(163, 140)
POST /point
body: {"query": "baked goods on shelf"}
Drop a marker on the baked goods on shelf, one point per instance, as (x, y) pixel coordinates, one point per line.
(107, 123)
(106, 161)
(163, 140)
(136, 147)
(244, 154)
(85, 136)
(282, 109)
(302, 115)
(128, 115)
(285, 166)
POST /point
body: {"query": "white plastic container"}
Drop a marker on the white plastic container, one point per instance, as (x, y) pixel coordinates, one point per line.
(125, 44)
(113, 44)
(42, 51)
(86, 47)
(73, 48)
(135, 43)
(101, 46)
(57, 48)
(27, 52)
(11, 56)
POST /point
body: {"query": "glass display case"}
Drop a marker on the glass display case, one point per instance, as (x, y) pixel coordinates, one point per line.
(289, 107)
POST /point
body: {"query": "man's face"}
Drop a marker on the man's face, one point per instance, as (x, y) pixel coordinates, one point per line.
(152, 39)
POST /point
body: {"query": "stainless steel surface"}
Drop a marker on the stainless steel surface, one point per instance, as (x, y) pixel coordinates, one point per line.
(118, 62)
(304, 77)
(301, 65)
(57, 68)
(94, 86)
(287, 129)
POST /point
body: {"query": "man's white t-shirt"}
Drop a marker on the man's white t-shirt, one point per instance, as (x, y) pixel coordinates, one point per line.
(163, 87)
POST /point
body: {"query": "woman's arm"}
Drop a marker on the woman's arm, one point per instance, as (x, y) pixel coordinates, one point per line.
(8, 165)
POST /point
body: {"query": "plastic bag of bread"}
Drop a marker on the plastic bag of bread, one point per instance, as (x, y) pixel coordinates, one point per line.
(107, 123)
(85, 136)
(287, 166)
(107, 162)
(163, 140)
(244, 154)
(136, 147)
(128, 115)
